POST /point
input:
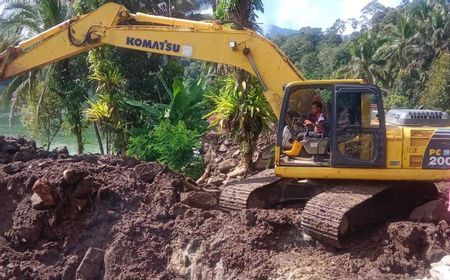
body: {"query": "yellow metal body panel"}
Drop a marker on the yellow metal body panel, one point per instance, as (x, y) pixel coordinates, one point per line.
(394, 142)
(415, 142)
(362, 173)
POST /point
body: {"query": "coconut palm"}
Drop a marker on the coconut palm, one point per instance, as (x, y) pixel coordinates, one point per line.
(366, 62)
(22, 19)
(400, 43)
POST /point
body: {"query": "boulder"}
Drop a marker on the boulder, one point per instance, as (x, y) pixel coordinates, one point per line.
(215, 181)
(23, 156)
(431, 212)
(203, 200)
(37, 202)
(62, 151)
(43, 189)
(261, 164)
(72, 176)
(10, 148)
(92, 265)
(13, 167)
(146, 172)
(226, 165)
(239, 171)
(223, 148)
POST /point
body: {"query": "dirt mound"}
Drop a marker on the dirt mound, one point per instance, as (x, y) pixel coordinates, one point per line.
(24, 150)
(95, 217)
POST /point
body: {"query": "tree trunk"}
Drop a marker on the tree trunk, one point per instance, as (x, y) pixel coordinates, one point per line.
(99, 139)
(247, 156)
(79, 135)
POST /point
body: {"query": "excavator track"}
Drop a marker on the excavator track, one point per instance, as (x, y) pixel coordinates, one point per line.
(333, 215)
(241, 194)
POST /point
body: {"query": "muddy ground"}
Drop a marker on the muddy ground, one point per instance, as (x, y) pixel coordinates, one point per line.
(94, 217)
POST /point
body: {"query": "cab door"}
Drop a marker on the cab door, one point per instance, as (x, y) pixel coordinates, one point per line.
(358, 128)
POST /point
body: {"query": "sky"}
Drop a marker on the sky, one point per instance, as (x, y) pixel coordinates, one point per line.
(295, 14)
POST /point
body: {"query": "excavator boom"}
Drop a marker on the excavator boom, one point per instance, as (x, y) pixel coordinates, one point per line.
(110, 25)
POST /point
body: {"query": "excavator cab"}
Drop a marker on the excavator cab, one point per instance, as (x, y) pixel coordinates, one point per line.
(353, 134)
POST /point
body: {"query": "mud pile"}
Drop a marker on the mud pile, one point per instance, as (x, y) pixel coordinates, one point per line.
(24, 150)
(94, 217)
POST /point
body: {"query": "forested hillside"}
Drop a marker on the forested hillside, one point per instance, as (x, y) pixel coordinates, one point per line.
(404, 50)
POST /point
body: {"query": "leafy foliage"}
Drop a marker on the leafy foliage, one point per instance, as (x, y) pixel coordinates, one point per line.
(167, 143)
(44, 120)
(241, 110)
(437, 88)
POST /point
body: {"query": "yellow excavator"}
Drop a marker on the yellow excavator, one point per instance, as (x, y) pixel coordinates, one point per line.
(365, 164)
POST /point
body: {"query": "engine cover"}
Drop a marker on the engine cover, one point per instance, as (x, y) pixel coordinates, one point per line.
(411, 117)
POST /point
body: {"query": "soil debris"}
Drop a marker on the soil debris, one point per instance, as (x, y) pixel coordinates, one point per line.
(99, 217)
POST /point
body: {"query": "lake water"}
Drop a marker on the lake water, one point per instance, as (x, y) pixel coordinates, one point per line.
(62, 139)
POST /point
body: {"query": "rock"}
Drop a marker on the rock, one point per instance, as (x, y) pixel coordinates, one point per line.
(216, 181)
(236, 153)
(431, 212)
(37, 202)
(249, 218)
(239, 171)
(23, 156)
(267, 152)
(409, 238)
(203, 200)
(261, 164)
(226, 165)
(223, 148)
(14, 167)
(42, 154)
(435, 253)
(4, 159)
(10, 148)
(72, 176)
(62, 151)
(146, 172)
(42, 188)
(130, 161)
(91, 266)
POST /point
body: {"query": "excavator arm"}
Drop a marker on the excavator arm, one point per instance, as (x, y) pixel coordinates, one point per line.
(114, 25)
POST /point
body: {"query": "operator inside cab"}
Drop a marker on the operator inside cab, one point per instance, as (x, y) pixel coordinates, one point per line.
(314, 126)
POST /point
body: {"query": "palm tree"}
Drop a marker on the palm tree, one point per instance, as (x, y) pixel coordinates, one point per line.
(21, 20)
(401, 40)
(366, 62)
(432, 19)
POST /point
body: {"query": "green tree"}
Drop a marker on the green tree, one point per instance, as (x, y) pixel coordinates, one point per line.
(243, 111)
(25, 19)
(44, 121)
(236, 109)
(364, 62)
(110, 88)
(437, 88)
